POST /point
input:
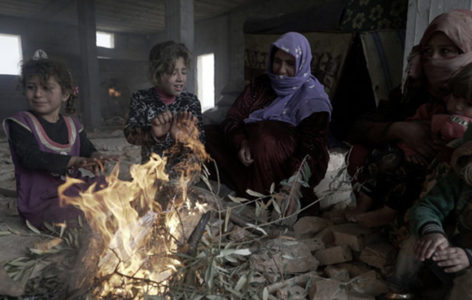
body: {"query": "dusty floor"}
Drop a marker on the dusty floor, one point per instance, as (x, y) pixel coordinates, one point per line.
(336, 255)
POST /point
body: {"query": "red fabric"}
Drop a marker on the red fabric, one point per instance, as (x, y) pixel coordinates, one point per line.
(426, 111)
(277, 147)
(166, 99)
(443, 125)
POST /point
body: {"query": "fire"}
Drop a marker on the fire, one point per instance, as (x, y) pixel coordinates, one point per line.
(139, 234)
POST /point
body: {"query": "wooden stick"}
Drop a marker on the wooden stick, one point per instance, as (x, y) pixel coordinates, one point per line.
(197, 233)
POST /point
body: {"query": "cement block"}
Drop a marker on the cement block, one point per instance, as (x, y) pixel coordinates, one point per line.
(334, 255)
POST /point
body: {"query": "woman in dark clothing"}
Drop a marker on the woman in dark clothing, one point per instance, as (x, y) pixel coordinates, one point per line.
(280, 119)
(388, 179)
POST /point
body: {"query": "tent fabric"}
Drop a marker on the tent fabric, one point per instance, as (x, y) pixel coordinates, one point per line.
(383, 51)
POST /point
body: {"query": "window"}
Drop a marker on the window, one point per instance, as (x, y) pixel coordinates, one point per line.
(11, 54)
(105, 39)
(206, 80)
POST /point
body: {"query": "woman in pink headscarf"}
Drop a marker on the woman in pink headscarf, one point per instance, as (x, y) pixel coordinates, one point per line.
(280, 119)
(445, 47)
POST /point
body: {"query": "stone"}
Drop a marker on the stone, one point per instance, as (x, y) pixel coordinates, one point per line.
(307, 227)
(335, 215)
(354, 268)
(333, 255)
(351, 296)
(337, 273)
(294, 292)
(326, 236)
(325, 288)
(368, 284)
(286, 256)
(313, 244)
(353, 235)
(378, 255)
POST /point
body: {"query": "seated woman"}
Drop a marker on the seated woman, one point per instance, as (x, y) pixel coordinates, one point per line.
(389, 181)
(280, 118)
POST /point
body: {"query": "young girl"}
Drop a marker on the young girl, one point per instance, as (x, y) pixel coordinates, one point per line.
(46, 145)
(395, 174)
(441, 231)
(161, 115)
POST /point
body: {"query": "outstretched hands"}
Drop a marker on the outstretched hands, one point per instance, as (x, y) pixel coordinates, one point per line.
(181, 125)
(95, 163)
(453, 259)
(184, 126)
(427, 245)
(160, 125)
(436, 247)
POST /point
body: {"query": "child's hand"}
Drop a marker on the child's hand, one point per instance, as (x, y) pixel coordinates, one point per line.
(161, 124)
(92, 164)
(429, 244)
(184, 126)
(453, 258)
(105, 157)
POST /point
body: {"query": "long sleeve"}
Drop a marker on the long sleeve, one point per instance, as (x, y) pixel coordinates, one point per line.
(86, 146)
(195, 108)
(313, 140)
(255, 96)
(437, 204)
(138, 129)
(144, 107)
(31, 157)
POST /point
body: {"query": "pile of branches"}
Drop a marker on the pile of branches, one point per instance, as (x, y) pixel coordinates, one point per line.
(215, 260)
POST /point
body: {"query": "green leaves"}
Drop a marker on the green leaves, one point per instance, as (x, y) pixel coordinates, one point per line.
(32, 228)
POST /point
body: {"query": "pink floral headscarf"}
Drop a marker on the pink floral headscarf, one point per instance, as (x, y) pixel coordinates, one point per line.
(457, 26)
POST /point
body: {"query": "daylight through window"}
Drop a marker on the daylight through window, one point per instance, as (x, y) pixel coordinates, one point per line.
(105, 39)
(206, 80)
(11, 54)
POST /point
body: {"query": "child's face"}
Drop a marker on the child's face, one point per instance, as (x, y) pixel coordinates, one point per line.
(459, 106)
(173, 84)
(45, 100)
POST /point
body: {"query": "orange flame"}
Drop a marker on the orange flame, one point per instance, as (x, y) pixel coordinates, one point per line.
(140, 237)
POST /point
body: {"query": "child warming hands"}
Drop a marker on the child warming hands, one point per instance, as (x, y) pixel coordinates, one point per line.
(164, 115)
(46, 145)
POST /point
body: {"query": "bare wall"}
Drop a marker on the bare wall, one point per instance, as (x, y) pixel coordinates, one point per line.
(126, 64)
(211, 36)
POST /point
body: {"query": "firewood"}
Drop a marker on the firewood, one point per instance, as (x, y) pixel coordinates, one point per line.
(86, 266)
